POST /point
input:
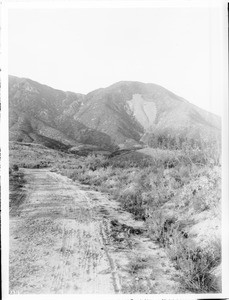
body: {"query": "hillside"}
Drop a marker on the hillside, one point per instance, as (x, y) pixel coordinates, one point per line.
(130, 200)
(130, 112)
(125, 114)
(44, 115)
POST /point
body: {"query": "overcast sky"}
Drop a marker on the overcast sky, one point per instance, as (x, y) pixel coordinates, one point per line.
(84, 49)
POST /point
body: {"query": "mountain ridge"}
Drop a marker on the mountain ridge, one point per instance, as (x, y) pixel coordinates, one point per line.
(118, 116)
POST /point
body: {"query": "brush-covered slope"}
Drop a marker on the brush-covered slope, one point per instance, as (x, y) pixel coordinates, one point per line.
(39, 113)
(131, 111)
(125, 114)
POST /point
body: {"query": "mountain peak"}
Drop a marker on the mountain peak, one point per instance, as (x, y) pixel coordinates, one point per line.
(125, 113)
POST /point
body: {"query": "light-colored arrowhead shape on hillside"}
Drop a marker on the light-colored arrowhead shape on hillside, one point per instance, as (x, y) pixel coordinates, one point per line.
(125, 114)
(144, 111)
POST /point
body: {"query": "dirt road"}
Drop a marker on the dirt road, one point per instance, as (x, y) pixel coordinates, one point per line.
(65, 238)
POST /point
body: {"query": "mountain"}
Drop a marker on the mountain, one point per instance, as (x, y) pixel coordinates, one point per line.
(125, 114)
(39, 113)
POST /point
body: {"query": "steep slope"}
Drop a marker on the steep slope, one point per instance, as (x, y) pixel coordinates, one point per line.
(125, 114)
(129, 112)
(42, 114)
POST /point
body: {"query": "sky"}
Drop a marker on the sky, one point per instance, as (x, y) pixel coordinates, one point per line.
(83, 49)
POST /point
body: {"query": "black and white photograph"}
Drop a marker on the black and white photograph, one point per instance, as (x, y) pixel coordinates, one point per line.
(113, 137)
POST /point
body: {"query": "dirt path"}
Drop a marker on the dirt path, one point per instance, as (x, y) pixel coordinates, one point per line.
(67, 239)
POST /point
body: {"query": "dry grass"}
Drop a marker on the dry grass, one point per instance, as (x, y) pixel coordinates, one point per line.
(165, 185)
(196, 265)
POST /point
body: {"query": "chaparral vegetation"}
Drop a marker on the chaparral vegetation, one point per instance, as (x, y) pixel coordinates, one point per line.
(174, 188)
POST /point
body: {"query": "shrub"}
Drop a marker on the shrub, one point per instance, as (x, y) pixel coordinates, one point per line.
(155, 224)
(203, 191)
(15, 167)
(138, 264)
(131, 200)
(17, 192)
(94, 162)
(196, 265)
(165, 229)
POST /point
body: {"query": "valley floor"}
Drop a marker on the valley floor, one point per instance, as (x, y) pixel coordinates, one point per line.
(65, 238)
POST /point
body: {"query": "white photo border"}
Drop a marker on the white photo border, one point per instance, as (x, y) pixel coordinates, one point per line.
(223, 40)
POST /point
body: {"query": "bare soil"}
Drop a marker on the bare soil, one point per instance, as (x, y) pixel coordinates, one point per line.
(65, 238)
